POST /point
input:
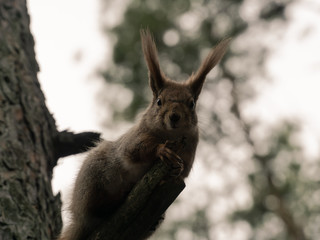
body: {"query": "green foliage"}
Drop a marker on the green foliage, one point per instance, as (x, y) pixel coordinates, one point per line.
(281, 188)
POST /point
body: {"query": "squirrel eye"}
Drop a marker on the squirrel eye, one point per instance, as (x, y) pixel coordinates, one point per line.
(192, 104)
(159, 103)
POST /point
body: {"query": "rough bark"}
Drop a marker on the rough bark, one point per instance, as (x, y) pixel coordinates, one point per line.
(28, 209)
(30, 146)
(29, 140)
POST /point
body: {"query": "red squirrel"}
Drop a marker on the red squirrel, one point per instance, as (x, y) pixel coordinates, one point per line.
(166, 132)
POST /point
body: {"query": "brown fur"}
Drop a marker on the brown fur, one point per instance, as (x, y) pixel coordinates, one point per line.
(167, 131)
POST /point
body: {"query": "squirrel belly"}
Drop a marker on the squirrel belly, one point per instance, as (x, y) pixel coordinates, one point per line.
(112, 168)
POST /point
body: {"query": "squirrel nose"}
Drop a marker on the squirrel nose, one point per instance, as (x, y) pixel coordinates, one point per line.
(174, 117)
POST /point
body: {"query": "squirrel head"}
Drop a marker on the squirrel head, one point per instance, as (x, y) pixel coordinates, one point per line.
(173, 104)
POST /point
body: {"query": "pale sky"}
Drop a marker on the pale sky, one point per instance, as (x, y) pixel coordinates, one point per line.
(68, 30)
(64, 33)
(295, 70)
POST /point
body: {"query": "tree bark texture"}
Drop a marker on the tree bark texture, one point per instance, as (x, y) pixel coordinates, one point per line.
(28, 208)
(30, 145)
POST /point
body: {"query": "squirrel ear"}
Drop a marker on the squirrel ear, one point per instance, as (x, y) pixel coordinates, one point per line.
(156, 77)
(196, 80)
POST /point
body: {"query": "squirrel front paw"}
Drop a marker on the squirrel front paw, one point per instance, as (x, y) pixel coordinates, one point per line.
(170, 158)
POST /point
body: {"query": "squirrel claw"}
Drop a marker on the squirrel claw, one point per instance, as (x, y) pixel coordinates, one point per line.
(171, 159)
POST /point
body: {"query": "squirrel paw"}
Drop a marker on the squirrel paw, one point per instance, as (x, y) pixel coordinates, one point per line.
(171, 159)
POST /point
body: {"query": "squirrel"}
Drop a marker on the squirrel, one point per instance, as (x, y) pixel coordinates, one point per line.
(166, 132)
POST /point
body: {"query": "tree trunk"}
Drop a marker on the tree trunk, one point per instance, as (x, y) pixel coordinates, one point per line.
(30, 145)
(28, 208)
(29, 141)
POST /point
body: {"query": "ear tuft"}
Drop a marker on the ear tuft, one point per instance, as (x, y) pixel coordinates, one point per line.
(196, 80)
(150, 52)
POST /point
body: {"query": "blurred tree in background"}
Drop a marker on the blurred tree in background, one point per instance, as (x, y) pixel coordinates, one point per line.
(251, 182)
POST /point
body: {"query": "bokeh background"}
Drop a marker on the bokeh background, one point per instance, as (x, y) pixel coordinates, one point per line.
(257, 171)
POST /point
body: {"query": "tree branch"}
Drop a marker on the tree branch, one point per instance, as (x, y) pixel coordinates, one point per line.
(143, 208)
